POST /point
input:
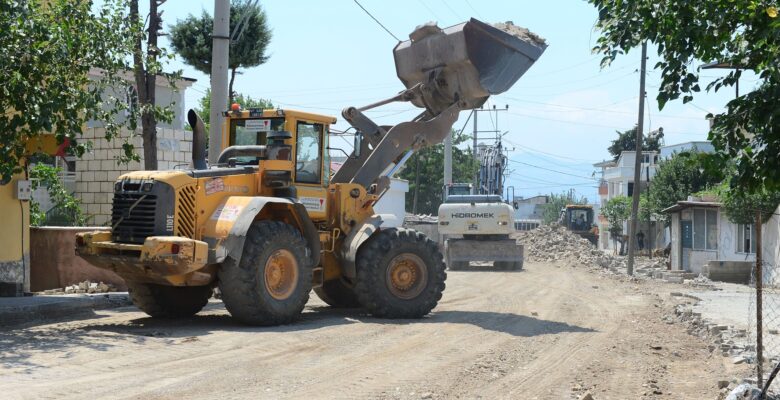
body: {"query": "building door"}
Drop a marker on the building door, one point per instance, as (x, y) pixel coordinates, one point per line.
(686, 243)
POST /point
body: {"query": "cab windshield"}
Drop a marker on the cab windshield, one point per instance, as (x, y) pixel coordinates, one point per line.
(254, 131)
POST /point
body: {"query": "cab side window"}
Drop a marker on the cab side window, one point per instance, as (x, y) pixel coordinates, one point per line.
(308, 153)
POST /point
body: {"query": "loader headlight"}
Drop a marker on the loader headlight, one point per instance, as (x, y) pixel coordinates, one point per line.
(147, 187)
(444, 222)
(503, 223)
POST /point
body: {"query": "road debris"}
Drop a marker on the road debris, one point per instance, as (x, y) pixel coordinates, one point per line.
(83, 288)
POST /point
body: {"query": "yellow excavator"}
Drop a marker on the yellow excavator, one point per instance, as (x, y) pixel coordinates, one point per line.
(268, 222)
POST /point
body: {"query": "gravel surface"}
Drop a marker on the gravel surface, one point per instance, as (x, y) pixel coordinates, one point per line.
(552, 331)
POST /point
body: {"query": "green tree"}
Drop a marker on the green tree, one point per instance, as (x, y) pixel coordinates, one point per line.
(425, 173)
(737, 33)
(617, 211)
(66, 210)
(191, 38)
(675, 179)
(204, 105)
(48, 49)
(146, 68)
(551, 211)
(626, 141)
(742, 207)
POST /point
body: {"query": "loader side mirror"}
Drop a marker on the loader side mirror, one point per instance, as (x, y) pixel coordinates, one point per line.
(358, 145)
(516, 205)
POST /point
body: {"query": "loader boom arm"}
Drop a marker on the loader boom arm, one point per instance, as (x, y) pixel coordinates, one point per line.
(444, 71)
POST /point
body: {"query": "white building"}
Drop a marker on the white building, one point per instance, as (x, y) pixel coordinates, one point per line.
(699, 146)
(617, 179)
(701, 232)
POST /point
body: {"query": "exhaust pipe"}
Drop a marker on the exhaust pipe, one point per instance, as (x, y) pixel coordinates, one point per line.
(198, 140)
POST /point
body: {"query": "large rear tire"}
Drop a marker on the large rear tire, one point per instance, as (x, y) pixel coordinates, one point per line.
(271, 283)
(336, 293)
(161, 301)
(400, 274)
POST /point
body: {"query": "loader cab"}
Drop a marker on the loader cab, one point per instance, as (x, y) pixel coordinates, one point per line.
(577, 218)
(305, 139)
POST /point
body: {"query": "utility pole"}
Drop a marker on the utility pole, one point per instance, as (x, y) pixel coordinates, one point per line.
(448, 159)
(475, 187)
(219, 76)
(759, 304)
(637, 165)
(650, 232)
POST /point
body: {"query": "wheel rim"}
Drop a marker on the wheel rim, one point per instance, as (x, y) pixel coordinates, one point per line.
(406, 276)
(281, 274)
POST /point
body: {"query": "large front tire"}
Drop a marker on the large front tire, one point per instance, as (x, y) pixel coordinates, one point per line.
(400, 274)
(271, 283)
(161, 301)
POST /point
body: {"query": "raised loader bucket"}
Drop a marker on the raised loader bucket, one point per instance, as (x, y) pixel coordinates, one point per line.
(467, 62)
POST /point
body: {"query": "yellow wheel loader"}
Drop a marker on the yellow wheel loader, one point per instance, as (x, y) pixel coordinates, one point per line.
(268, 222)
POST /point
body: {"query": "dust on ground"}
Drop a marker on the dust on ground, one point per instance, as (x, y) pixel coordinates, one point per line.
(556, 330)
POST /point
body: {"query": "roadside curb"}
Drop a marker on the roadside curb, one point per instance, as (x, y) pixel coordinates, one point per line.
(18, 310)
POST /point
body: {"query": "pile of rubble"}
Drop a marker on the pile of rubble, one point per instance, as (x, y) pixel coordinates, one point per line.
(555, 243)
(84, 287)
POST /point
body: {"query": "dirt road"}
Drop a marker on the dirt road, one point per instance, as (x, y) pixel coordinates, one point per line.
(549, 332)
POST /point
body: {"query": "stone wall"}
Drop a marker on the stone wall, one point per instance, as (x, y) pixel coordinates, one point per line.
(97, 171)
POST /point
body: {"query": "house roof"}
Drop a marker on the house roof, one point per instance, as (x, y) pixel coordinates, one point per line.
(609, 163)
(682, 205)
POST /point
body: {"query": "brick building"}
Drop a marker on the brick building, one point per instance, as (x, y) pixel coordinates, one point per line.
(94, 174)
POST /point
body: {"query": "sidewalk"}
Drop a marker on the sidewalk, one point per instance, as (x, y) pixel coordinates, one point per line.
(16, 310)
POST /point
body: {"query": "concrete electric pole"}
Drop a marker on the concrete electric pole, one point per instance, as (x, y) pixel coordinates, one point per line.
(475, 188)
(637, 165)
(448, 159)
(219, 76)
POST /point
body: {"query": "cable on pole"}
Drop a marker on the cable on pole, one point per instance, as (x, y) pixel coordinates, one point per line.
(377, 21)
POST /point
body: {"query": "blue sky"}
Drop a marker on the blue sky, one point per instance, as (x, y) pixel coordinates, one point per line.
(327, 55)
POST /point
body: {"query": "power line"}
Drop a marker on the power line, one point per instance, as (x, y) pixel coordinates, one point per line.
(377, 21)
(451, 9)
(551, 170)
(474, 9)
(429, 10)
(592, 108)
(598, 75)
(563, 121)
(564, 68)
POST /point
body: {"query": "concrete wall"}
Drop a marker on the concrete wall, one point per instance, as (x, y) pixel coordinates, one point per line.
(770, 253)
(14, 236)
(97, 171)
(675, 239)
(729, 271)
(53, 263)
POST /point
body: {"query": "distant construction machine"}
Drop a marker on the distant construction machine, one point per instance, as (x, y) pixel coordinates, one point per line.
(578, 218)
